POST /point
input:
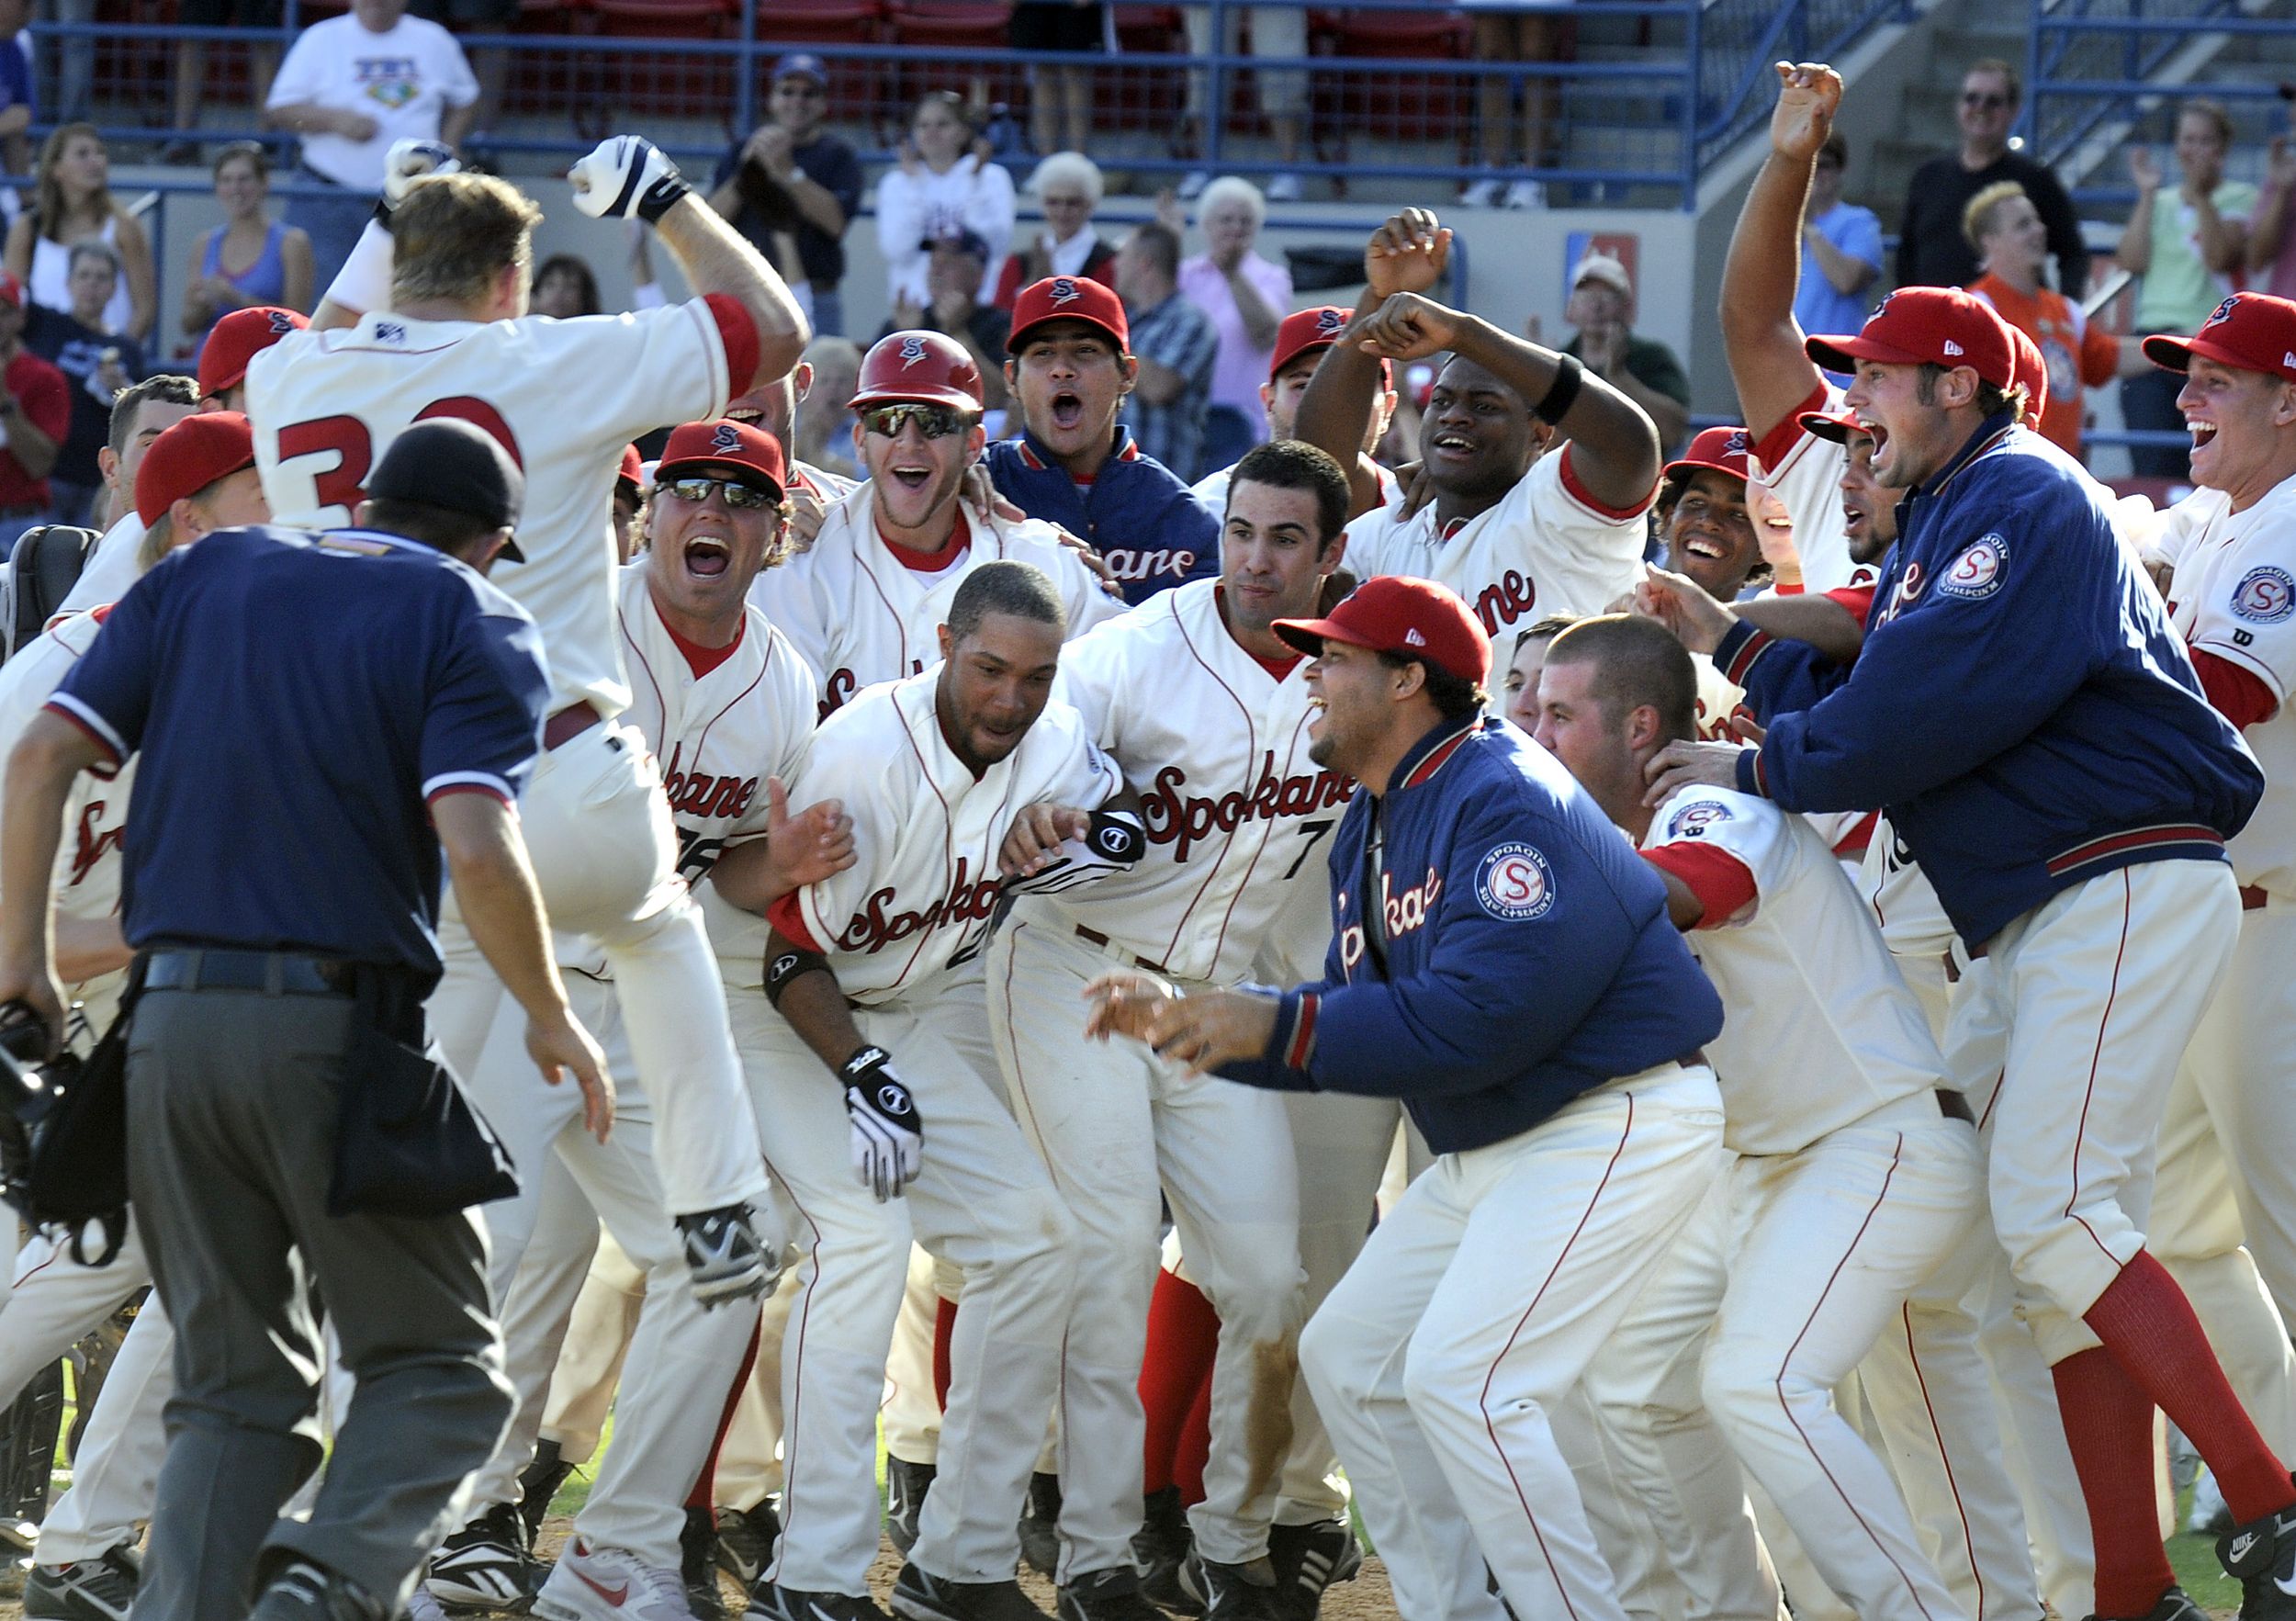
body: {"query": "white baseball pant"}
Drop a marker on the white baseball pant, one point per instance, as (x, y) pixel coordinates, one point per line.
(749, 1458)
(57, 1303)
(2101, 989)
(1118, 1127)
(582, 1386)
(534, 1309)
(606, 855)
(116, 1472)
(912, 1411)
(1474, 1308)
(981, 1202)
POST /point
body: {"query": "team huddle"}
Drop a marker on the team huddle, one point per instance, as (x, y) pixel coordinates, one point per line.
(1820, 989)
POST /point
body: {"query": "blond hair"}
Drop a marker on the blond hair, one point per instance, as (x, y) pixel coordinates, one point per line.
(1976, 213)
(452, 234)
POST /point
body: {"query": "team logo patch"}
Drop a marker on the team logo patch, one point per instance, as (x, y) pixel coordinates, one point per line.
(1693, 820)
(725, 437)
(389, 332)
(892, 1099)
(1329, 321)
(281, 322)
(1065, 291)
(2264, 596)
(1977, 573)
(1515, 883)
(912, 351)
(2223, 312)
(1737, 444)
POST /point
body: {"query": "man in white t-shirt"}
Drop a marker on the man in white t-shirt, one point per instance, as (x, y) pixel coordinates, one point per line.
(352, 86)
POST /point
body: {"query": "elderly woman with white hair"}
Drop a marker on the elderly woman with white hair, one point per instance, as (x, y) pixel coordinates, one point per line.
(1247, 297)
(1067, 186)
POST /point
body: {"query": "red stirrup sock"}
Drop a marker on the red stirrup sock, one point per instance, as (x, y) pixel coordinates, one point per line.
(1183, 1335)
(2108, 1426)
(944, 1325)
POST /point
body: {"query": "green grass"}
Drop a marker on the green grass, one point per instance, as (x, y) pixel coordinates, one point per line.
(2194, 1560)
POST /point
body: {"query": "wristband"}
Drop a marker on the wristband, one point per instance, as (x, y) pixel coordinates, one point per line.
(1569, 376)
(364, 282)
(865, 1059)
(784, 967)
(1116, 837)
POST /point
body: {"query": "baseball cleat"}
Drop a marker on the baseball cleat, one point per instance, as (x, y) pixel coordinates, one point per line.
(485, 1565)
(1040, 1525)
(1160, 1547)
(2262, 1553)
(723, 1256)
(1232, 1593)
(905, 1485)
(697, 1565)
(304, 1592)
(538, 1484)
(2173, 1606)
(84, 1590)
(595, 1583)
(1308, 1559)
(746, 1541)
(1104, 1595)
(769, 1603)
(921, 1596)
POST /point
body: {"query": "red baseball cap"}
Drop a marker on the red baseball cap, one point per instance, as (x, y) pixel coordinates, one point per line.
(2249, 331)
(1392, 613)
(1310, 331)
(1717, 450)
(237, 339)
(2033, 371)
(1835, 426)
(1069, 297)
(723, 444)
(632, 471)
(1926, 326)
(193, 454)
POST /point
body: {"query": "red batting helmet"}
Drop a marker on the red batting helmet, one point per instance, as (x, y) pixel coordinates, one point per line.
(924, 367)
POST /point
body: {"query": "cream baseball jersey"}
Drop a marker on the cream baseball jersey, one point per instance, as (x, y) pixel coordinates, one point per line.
(717, 734)
(1215, 743)
(563, 397)
(1805, 472)
(1818, 1027)
(88, 863)
(926, 832)
(2233, 594)
(860, 616)
(1212, 488)
(1546, 547)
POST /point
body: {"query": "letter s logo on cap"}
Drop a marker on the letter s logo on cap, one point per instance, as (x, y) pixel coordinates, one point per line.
(912, 351)
(1515, 885)
(281, 322)
(2223, 312)
(725, 437)
(1328, 321)
(1063, 291)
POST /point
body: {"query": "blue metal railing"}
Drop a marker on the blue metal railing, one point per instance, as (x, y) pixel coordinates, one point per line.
(1693, 82)
(2087, 58)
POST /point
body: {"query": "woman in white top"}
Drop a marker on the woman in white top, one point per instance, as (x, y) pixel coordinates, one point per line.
(942, 187)
(75, 205)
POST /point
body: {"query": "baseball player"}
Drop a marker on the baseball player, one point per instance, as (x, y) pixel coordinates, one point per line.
(1514, 533)
(453, 341)
(954, 779)
(862, 604)
(1301, 339)
(1206, 713)
(2097, 889)
(1074, 464)
(1576, 1131)
(2231, 549)
(1856, 1170)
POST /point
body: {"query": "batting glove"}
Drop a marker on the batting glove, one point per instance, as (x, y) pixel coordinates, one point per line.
(888, 1138)
(626, 175)
(410, 160)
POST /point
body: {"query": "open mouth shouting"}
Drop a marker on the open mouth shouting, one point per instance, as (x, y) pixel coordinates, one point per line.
(707, 556)
(2202, 433)
(1067, 409)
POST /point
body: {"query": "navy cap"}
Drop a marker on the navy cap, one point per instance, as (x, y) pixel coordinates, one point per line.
(802, 65)
(449, 463)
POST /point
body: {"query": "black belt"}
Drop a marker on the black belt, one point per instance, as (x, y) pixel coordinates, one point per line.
(1095, 938)
(270, 973)
(1955, 1107)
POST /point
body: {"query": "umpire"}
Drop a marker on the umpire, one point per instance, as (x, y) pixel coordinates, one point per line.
(313, 717)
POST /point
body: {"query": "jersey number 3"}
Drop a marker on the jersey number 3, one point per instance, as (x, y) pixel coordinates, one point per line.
(344, 484)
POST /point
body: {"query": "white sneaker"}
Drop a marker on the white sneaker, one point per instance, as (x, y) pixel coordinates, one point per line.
(1283, 188)
(594, 1583)
(1524, 195)
(1192, 185)
(422, 1606)
(1479, 194)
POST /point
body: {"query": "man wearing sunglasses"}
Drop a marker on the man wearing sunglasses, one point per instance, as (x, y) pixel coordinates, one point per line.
(1931, 250)
(863, 602)
(1070, 369)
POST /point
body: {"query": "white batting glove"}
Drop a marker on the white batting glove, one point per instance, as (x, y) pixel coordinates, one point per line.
(409, 161)
(888, 1138)
(626, 176)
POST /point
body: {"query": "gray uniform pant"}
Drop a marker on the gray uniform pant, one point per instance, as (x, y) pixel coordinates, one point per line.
(231, 1108)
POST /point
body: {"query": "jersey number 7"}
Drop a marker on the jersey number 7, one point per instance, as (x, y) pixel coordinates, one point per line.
(353, 443)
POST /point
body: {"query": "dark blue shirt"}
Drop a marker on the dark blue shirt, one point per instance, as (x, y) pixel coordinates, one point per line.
(1149, 526)
(295, 702)
(1506, 951)
(766, 206)
(15, 73)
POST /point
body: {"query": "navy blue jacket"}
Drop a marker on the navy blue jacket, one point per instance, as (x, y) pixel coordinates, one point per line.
(1149, 526)
(2022, 706)
(1529, 957)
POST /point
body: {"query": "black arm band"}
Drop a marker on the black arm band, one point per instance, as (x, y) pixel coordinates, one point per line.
(1564, 391)
(783, 967)
(863, 1060)
(1117, 837)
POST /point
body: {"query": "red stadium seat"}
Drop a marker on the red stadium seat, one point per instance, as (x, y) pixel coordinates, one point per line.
(854, 86)
(1393, 105)
(670, 83)
(1140, 94)
(698, 19)
(957, 25)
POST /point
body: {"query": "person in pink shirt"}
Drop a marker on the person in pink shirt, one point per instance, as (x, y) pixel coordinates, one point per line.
(2272, 232)
(1247, 297)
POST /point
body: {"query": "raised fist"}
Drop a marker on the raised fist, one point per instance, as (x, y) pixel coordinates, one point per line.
(409, 160)
(626, 176)
(1809, 94)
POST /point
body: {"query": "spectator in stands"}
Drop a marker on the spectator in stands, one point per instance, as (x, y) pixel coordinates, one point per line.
(1177, 346)
(791, 177)
(1276, 32)
(954, 275)
(1247, 297)
(1067, 186)
(1645, 370)
(19, 101)
(1841, 250)
(2187, 249)
(98, 363)
(192, 89)
(2012, 245)
(36, 416)
(565, 286)
(1504, 34)
(490, 65)
(942, 184)
(2272, 232)
(273, 260)
(1060, 95)
(1931, 250)
(825, 424)
(350, 86)
(73, 204)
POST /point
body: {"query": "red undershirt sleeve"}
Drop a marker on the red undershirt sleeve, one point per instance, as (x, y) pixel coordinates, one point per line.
(2240, 696)
(1723, 883)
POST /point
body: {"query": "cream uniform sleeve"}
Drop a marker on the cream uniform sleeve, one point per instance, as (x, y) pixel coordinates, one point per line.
(1735, 825)
(1066, 766)
(2245, 611)
(790, 595)
(1583, 556)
